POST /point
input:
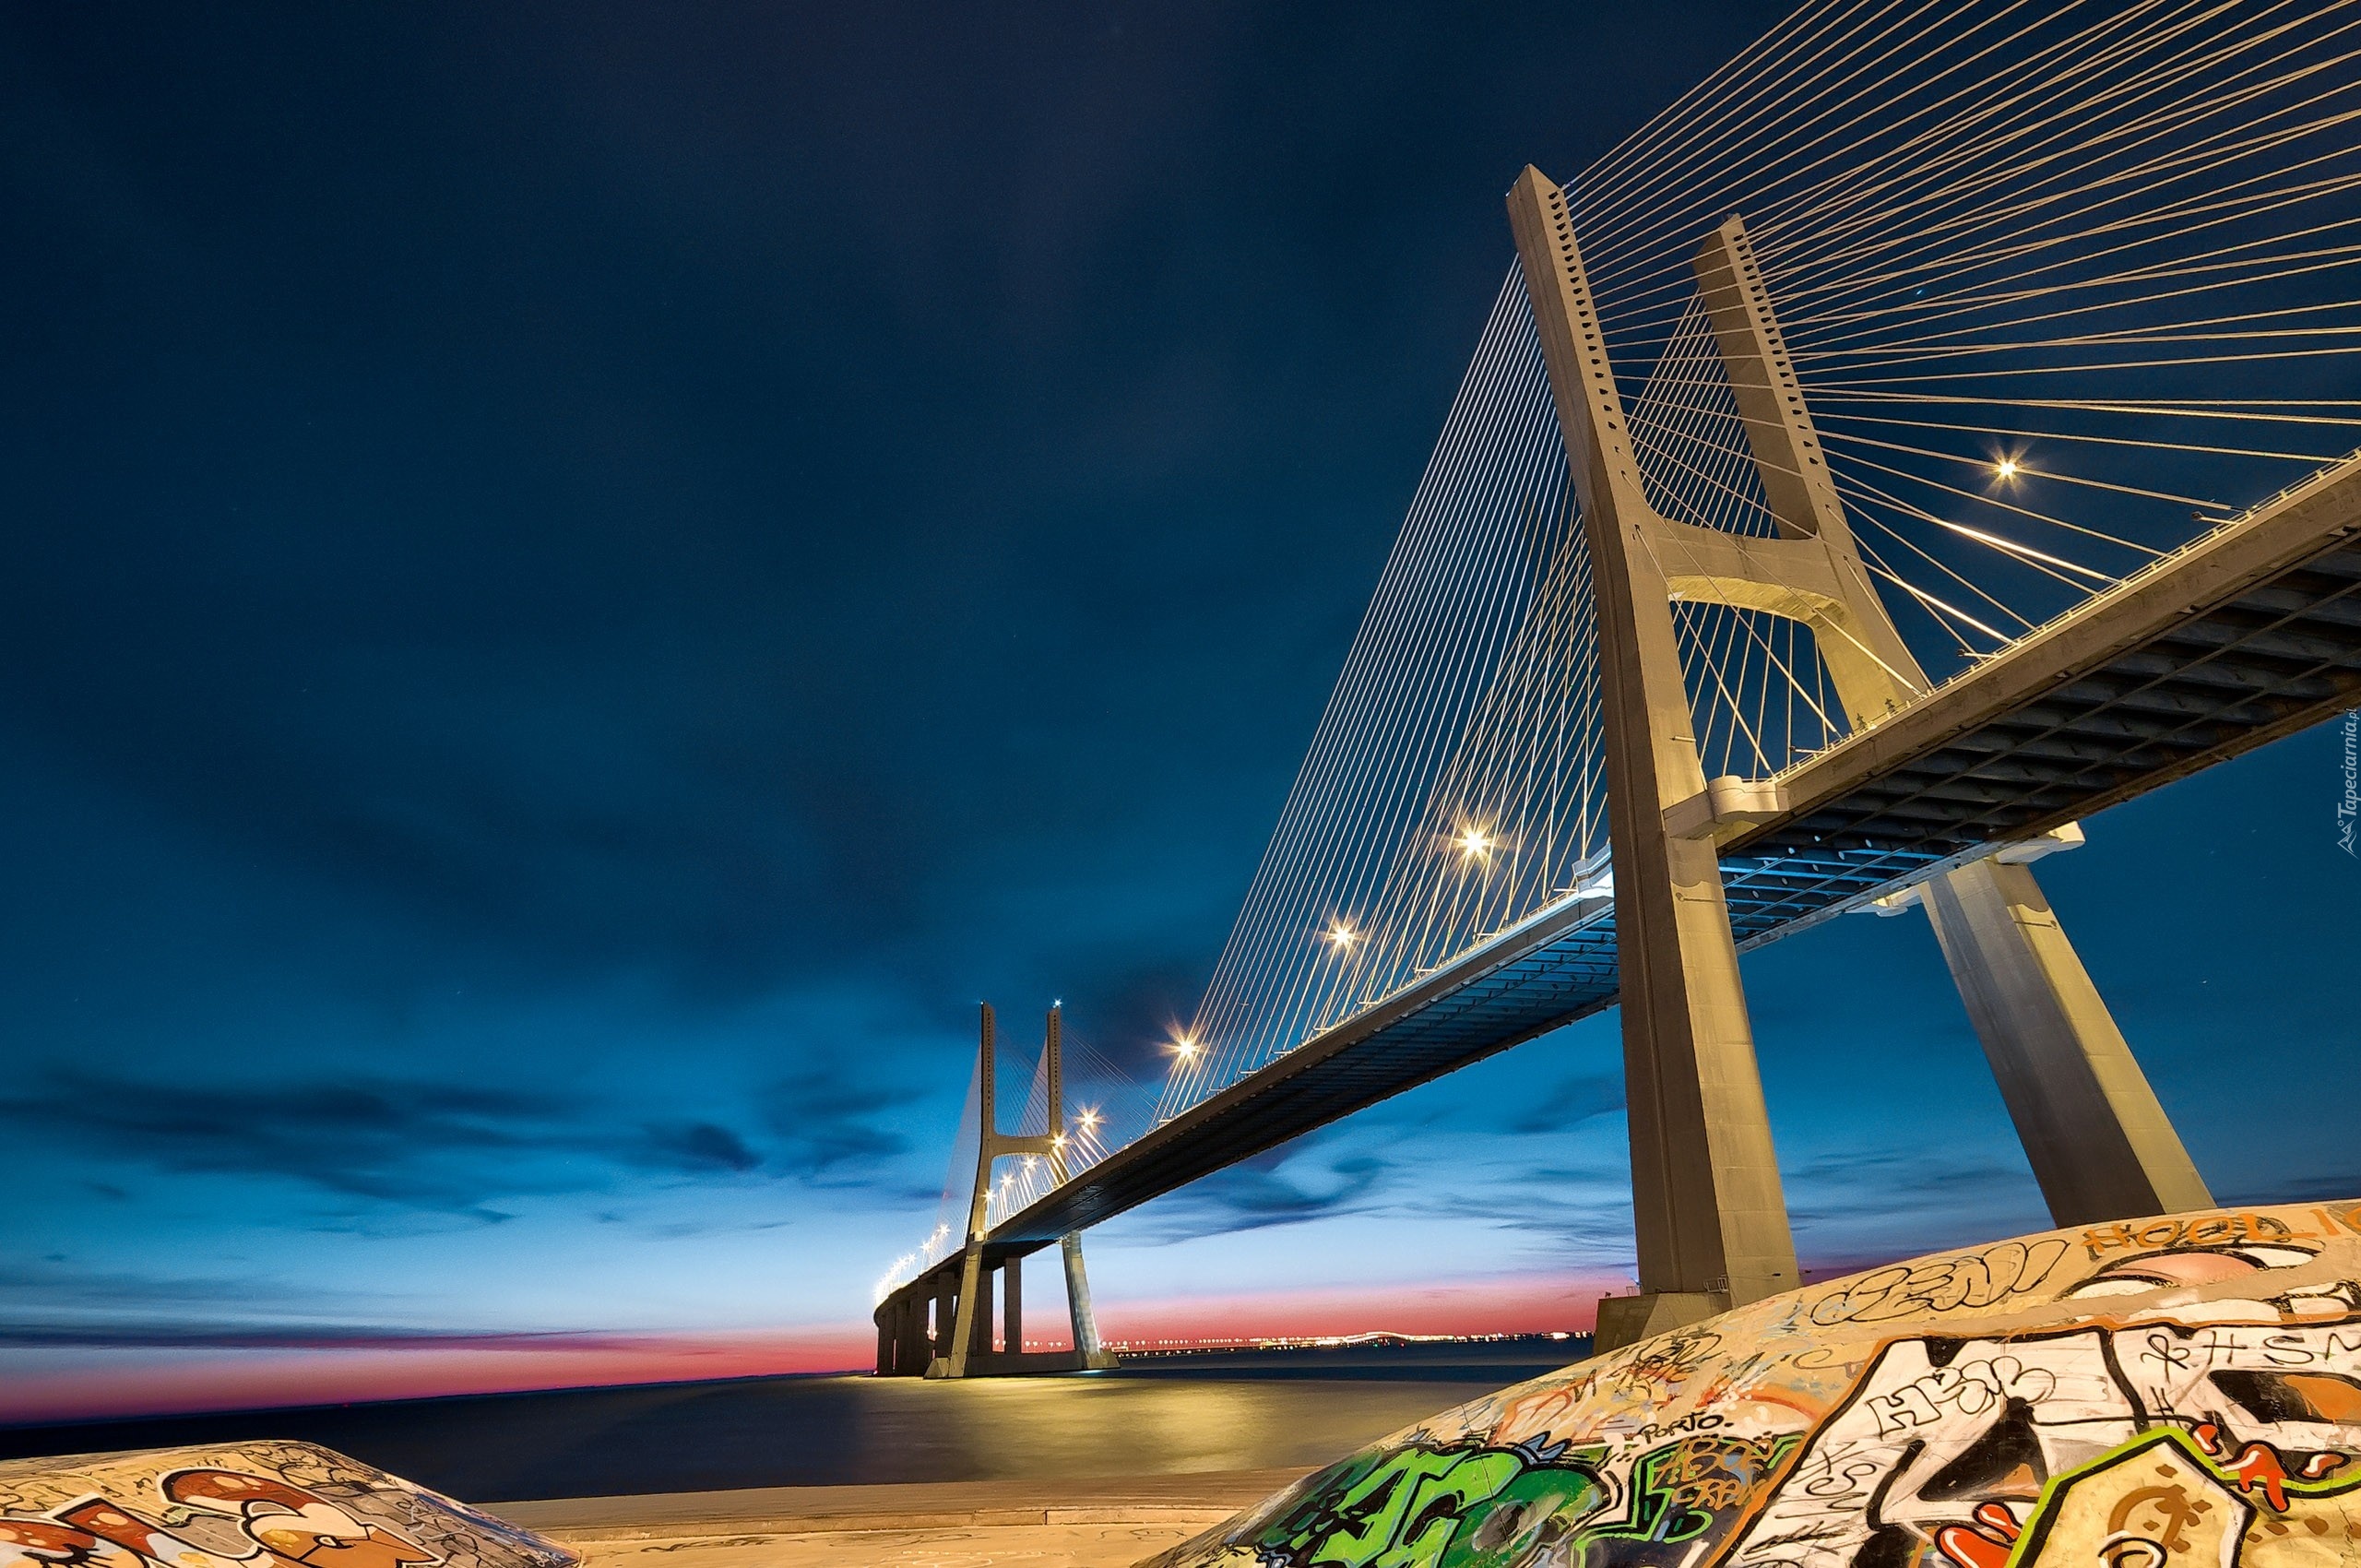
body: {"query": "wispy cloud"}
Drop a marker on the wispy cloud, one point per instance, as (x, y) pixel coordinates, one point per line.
(50, 1287)
(1523, 1109)
(1569, 1101)
(1287, 1187)
(1582, 1210)
(699, 1147)
(53, 1303)
(2297, 1189)
(821, 1124)
(441, 1147)
(180, 1333)
(1877, 1183)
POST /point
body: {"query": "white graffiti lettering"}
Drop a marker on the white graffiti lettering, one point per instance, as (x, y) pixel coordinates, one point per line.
(1975, 1389)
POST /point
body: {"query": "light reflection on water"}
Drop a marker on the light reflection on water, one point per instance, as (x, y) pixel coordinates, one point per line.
(1040, 1429)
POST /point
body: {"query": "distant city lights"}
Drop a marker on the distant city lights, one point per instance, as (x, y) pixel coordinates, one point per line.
(1369, 1339)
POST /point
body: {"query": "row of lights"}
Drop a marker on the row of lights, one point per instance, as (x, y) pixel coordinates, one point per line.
(1473, 845)
(1340, 936)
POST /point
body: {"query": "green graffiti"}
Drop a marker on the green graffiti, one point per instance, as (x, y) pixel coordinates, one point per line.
(1679, 1493)
(1426, 1507)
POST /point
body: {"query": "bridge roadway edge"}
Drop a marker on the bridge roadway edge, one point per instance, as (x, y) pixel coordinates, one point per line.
(2275, 540)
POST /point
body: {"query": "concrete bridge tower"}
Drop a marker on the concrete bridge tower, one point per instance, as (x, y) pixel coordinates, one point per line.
(959, 1289)
(1708, 1207)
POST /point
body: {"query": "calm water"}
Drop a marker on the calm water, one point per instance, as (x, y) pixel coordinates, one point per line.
(1247, 1411)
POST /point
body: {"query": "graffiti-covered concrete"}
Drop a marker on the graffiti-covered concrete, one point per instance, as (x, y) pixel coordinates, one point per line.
(249, 1506)
(2155, 1394)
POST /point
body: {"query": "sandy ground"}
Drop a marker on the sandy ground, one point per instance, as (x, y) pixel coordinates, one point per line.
(1083, 1523)
(972, 1546)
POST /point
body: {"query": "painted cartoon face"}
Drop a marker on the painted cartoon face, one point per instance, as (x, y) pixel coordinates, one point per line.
(296, 1525)
(147, 1543)
(44, 1543)
(2188, 1265)
(2211, 1266)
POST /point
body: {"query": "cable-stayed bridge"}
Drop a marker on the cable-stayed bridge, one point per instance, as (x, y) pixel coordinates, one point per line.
(1927, 433)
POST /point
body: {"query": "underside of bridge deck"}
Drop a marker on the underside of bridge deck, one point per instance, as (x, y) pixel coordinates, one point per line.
(2252, 634)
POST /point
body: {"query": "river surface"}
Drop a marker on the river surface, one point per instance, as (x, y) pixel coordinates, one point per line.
(1241, 1411)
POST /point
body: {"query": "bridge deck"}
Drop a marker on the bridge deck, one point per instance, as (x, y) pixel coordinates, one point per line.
(2249, 634)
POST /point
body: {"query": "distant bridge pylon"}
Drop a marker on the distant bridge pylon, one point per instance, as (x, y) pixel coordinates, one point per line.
(940, 1324)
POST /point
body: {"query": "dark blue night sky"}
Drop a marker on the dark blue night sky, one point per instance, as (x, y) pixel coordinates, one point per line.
(581, 580)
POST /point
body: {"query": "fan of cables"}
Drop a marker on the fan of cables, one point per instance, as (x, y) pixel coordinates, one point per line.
(2068, 285)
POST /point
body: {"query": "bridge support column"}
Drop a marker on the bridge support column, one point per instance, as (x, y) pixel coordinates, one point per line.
(975, 1311)
(1078, 1309)
(1707, 1207)
(1087, 1355)
(903, 1348)
(912, 1350)
(2100, 1145)
(1012, 1305)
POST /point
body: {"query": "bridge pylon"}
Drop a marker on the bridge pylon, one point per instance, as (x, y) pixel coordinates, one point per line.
(1710, 1216)
(962, 1293)
(1708, 1207)
(2100, 1144)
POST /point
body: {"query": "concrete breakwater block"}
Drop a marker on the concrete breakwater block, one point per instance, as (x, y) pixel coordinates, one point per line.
(244, 1505)
(2155, 1394)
